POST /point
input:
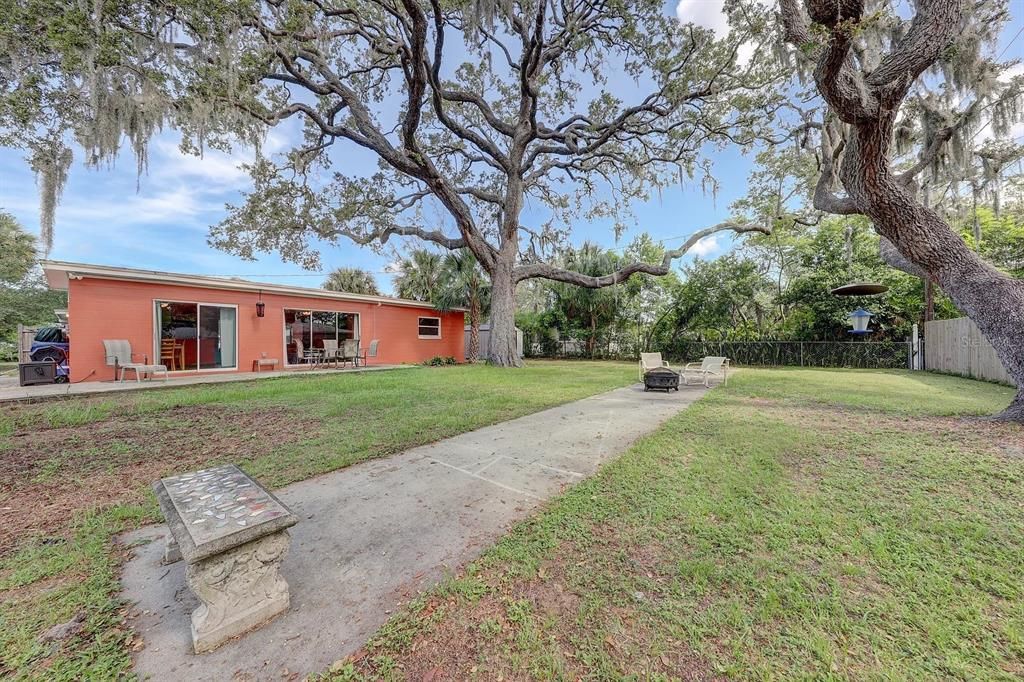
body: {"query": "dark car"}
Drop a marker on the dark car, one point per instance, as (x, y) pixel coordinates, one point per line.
(50, 343)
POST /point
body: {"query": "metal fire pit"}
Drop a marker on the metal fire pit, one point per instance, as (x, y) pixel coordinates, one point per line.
(661, 378)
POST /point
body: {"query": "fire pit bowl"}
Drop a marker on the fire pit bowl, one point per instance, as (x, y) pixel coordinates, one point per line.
(661, 378)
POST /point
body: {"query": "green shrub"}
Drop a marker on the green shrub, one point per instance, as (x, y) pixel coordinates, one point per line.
(438, 361)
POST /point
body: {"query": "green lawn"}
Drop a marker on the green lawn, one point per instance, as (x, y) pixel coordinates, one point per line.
(797, 524)
(75, 472)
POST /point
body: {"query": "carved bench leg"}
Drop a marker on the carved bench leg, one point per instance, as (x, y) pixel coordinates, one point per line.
(172, 552)
(240, 589)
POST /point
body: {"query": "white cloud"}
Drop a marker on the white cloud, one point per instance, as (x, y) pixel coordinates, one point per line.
(707, 246)
(711, 14)
(1015, 70)
(706, 13)
(214, 171)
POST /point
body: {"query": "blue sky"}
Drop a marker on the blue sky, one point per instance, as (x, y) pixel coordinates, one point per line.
(160, 221)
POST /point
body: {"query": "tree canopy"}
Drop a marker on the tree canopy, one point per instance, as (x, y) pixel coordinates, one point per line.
(25, 297)
(580, 108)
(17, 249)
(352, 281)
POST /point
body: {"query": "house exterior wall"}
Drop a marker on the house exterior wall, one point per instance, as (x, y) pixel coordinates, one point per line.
(101, 309)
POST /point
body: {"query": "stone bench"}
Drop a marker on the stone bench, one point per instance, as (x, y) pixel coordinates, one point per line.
(232, 534)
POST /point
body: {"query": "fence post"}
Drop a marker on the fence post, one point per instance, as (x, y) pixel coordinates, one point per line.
(801, 353)
(915, 349)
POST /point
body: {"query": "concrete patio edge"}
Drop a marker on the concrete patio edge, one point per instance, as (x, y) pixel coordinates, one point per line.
(15, 393)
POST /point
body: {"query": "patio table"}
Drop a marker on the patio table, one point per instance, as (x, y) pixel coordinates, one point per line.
(314, 356)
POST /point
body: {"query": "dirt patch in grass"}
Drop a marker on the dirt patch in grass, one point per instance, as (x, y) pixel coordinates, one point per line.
(539, 628)
(48, 475)
(1000, 439)
(35, 589)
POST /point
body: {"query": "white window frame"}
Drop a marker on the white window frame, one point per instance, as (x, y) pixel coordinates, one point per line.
(428, 336)
(358, 331)
(156, 334)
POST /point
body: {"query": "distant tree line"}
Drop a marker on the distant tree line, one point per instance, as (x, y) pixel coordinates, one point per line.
(775, 286)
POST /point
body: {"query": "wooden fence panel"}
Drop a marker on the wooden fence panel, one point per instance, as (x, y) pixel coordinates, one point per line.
(25, 337)
(957, 346)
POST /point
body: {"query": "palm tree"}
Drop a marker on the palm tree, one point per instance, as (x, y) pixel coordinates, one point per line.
(352, 281)
(418, 275)
(464, 284)
(592, 309)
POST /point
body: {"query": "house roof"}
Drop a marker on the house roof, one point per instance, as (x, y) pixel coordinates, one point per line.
(59, 272)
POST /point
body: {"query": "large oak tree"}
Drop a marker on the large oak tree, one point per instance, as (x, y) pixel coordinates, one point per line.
(904, 98)
(474, 112)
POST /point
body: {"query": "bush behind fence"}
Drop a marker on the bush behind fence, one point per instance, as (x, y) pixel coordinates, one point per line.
(770, 353)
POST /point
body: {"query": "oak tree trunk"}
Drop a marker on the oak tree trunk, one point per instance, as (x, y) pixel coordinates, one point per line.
(503, 351)
(992, 299)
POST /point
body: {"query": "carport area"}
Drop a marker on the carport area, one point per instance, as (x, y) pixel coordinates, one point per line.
(372, 535)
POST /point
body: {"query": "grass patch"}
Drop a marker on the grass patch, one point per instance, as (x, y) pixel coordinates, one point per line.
(795, 524)
(75, 472)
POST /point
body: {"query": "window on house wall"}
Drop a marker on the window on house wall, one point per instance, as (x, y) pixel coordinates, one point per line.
(196, 336)
(308, 329)
(429, 327)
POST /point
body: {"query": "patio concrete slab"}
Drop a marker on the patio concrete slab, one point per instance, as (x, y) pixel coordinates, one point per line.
(10, 390)
(374, 534)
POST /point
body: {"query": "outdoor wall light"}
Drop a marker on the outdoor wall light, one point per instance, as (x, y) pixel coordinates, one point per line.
(860, 319)
(261, 307)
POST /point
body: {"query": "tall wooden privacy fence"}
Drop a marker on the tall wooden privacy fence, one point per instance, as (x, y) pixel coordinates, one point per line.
(957, 346)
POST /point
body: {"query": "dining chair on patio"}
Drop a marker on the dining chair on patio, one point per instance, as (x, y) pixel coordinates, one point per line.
(172, 352)
(350, 351)
(365, 353)
(331, 352)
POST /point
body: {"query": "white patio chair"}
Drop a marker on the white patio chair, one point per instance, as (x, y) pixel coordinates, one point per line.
(707, 368)
(650, 361)
(118, 354)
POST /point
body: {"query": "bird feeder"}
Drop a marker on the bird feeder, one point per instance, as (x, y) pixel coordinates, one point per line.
(860, 318)
(860, 289)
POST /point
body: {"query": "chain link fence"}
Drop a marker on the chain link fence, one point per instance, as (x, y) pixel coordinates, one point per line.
(768, 353)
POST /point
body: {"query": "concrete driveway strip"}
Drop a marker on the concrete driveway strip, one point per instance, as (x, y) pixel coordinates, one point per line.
(374, 534)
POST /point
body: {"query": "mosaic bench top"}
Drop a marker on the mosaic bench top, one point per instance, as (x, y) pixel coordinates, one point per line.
(214, 510)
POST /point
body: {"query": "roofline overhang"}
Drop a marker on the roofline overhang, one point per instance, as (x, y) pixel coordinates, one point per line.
(59, 273)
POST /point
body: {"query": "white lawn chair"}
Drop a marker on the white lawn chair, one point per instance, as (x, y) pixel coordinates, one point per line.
(649, 361)
(119, 355)
(707, 368)
(366, 353)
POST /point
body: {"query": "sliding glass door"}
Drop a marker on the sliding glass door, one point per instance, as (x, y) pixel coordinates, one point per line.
(195, 336)
(308, 329)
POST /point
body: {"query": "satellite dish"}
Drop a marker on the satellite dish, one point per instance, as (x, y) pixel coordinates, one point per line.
(860, 289)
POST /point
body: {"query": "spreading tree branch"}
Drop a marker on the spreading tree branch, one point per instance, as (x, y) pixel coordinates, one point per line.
(558, 274)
